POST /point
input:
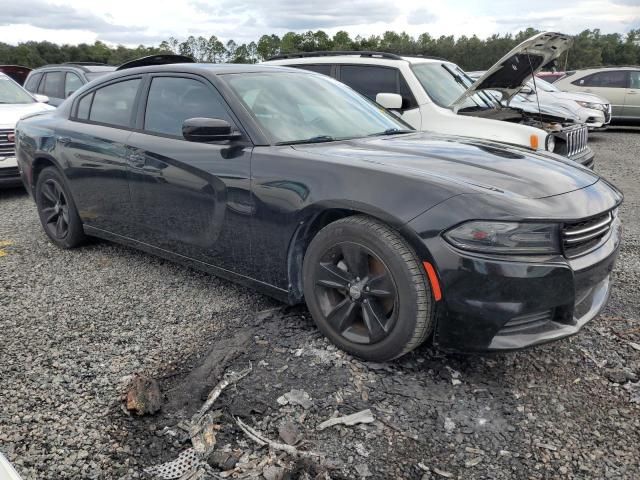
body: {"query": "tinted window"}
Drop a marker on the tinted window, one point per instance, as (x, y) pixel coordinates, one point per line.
(325, 68)
(634, 80)
(370, 81)
(71, 83)
(172, 100)
(113, 104)
(32, 83)
(611, 79)
(53, 84)
(83, 107)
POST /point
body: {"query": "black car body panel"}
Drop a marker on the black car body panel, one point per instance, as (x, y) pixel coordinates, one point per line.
(246, 209)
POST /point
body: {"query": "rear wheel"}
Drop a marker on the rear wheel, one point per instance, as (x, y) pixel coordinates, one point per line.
(57, 211)
(366, 290)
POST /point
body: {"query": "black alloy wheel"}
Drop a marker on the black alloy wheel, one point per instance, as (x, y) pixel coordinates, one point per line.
(366, 289)
(356, 293)
(57, 211)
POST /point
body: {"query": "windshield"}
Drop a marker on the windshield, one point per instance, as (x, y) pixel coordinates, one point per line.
(446, 82)
(543, 85)
(12, 93)
(306, 108)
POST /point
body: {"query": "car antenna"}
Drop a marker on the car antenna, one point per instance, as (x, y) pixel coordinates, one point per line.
(535, 87)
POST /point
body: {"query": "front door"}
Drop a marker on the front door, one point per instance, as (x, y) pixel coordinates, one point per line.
(610, 84)
(632, 96)
(189, 198)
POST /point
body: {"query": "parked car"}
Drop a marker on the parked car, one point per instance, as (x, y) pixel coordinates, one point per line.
(17, 72)
(585, 108)
(550, 76)
(293, 183)
(60, 81)
(15, 102)
(433, 94)
(619, 85)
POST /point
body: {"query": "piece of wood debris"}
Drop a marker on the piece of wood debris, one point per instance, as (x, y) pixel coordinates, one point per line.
(473, 462)
(364, 416)
(262, 440)
(442, 473)
(547, 446)
(227, 379)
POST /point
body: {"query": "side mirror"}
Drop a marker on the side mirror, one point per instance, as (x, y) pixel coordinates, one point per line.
(41, 98)
(390, 101)
(208, 130)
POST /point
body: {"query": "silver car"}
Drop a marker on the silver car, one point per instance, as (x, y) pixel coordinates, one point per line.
(619, 85)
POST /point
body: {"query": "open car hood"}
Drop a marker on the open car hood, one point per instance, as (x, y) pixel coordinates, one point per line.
(511, 72)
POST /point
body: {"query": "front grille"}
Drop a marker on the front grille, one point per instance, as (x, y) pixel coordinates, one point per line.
(580, 237)
(7, 148)
(530, 321)
(9, 172)
(577, 138)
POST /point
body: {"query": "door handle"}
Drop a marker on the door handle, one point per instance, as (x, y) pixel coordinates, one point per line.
(632, 92)
(64, 140)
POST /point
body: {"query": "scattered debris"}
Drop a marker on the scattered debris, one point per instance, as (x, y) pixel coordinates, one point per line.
(635, 346)
(272, 472)
(296, 397)
(634, 391)
(547, 446)
(363, 470)
(449, 425)
(143, 395)
(360, 450)
(203, 434)
(262, 440)
(223, 460)
(227, 379)
(455, 376)
(175, 468)
(473, 462)
(289, 433)
(442, 473)
(365, 416)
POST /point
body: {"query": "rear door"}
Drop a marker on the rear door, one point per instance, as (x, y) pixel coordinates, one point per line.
(610, 84)
(190, 198)
(93, 145)
(632, 96)
(52, 85)
(370, 80)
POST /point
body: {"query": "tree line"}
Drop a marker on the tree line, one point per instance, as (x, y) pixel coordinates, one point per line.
(590, 48)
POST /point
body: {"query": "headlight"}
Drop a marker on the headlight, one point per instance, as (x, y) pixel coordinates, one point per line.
(551, 143)
(505, 237)
(593, 106)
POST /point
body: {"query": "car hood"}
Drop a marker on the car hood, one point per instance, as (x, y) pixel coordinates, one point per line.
(579, 97)
(473, 164)
(11, 113)
(516, 67)
(533, 105)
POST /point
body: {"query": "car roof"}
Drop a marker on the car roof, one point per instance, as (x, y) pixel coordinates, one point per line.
(356, 58)
(86, 67)
(207, 68)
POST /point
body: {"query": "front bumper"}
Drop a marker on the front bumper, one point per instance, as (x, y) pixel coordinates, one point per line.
(9, 172)
(494, 304)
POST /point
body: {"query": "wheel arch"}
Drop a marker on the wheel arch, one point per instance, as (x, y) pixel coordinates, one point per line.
(317, 217)
(39, 163)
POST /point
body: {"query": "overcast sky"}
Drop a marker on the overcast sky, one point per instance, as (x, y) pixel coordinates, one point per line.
(132, 22)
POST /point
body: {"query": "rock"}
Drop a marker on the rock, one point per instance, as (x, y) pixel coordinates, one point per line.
(619, 375)
(364, 416)
(296, 397)
(290, 433)
(272, 472)
(363, 470)
(449, 425)
(143, 395)
(222, 460)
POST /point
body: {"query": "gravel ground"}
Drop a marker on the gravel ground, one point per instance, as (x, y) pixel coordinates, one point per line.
(76, 323)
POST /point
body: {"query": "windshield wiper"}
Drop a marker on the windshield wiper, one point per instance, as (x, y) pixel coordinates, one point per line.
(318, 139)
(391, 131)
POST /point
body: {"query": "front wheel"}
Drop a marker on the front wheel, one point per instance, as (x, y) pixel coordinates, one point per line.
(366, 289)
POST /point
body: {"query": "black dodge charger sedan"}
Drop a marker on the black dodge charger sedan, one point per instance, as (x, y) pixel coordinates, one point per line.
(290, 182)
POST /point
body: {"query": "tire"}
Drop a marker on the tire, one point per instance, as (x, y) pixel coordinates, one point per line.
(57, 211)
(366, 289)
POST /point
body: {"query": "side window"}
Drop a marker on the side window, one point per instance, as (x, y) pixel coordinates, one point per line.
(32, 83)
(408, 100)
(173, 99)
(608, 79)
(53, 84)
(84, 105)
(370, 81)
(324, 68)
(113, 104)
(634, 80)
(72, 83)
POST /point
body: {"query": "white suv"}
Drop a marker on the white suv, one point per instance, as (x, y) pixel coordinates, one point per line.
(15, 102)
(436, 95)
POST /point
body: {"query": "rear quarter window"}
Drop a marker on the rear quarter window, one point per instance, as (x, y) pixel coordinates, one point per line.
(114, 104)
(32, 82)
